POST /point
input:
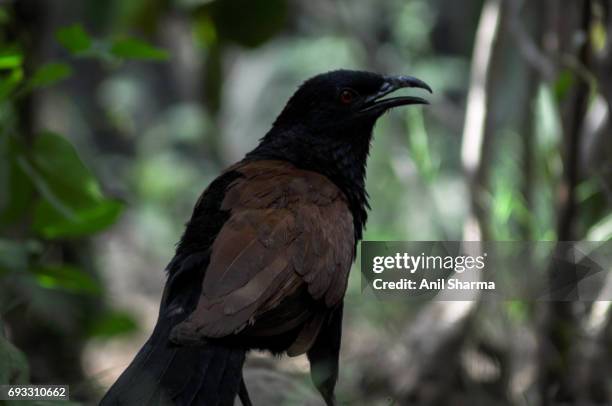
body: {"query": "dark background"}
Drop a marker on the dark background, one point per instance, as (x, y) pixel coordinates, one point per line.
(114, 116)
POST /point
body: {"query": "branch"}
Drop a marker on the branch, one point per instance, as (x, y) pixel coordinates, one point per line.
(528, 48)
(474, 130)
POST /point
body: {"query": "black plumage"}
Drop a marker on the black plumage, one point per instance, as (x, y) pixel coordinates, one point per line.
(264, 260)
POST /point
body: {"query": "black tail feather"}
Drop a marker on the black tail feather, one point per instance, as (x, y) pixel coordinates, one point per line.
(164, 374)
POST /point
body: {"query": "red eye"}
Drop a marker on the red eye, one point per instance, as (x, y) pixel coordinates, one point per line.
(347, 96)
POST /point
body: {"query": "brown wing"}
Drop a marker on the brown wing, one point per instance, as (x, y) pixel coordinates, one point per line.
(288, 230)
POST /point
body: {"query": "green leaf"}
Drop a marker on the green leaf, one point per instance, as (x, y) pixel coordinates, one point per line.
(4, 16)
(73, 204)
(66, 277)
(204, 31)
(248, 22)
(15, 187)
(50, 74)
(602, 231)
(131, 48)
(419, 146)
(517, 310)
(564, 83)
(52, 223)
(74, 38)
(62, 176)
(113, 324)
(59, 164)
(10, 82)
(42, 186)
(10, 60)
(599, 36)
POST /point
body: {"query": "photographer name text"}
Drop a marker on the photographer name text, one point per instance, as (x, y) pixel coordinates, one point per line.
(415, 272)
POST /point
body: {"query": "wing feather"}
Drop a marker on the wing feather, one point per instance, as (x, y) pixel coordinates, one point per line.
(288, 230)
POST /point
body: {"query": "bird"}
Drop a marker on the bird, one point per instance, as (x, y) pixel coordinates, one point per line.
(264, 260)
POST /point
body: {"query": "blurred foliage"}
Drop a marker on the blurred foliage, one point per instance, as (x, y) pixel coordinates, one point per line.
(14, 368)
(112, 324)
(136, 49)
(72, 203)
(115, 116)
(74, 39)
(48, 196)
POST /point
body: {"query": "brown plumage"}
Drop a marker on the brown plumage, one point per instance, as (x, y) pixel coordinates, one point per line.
(289, 229)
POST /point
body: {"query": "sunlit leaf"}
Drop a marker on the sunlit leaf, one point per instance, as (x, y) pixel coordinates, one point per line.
(50, 74)
(113, 324)
(74, 38)
(66, 277)
(602, 231)
(598, 35)
(10, 60)
(503, 204)
(131, 48)
(548, 126)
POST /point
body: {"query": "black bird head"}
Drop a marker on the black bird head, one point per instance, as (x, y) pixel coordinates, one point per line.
(332, 103)
(327, 127)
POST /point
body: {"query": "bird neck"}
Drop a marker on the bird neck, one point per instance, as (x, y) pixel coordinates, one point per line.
(344, 163)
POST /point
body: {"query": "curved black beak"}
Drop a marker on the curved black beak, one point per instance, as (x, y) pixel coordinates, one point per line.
(391, 84)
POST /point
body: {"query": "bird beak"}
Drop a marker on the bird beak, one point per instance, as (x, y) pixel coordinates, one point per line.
(374, 103)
